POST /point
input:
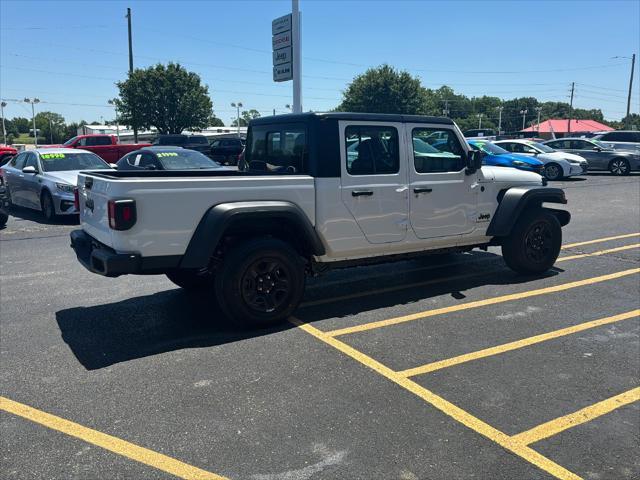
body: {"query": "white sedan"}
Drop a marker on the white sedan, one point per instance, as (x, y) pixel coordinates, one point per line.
(557, 165)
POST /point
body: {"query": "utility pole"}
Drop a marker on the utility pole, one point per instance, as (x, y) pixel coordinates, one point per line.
(538, 109)
(479, 121)
(573, 85)
(445, 110)
(296, 38)
(523, 112)
(4, 129)
(133, 107)
(633, 64)
(500, 108)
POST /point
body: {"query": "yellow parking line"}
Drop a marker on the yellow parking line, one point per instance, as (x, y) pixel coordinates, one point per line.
(443, 405)
(507, 347)
(482, 303)
(598, 253)
(600, 240)
(584, 415)
(108, 442)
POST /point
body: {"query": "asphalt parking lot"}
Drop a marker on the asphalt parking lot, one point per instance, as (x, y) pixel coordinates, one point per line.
(438, 368)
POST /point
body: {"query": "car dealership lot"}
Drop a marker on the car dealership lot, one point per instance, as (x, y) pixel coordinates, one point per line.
(437, 368)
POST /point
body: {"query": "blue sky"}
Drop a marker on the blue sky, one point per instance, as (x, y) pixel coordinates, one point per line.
(69, 54)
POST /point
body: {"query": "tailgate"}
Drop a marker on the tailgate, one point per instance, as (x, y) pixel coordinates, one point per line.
(94, 215)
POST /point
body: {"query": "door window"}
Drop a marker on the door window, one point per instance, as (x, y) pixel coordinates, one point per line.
(32, 161)
(102, 140)
(84, 142)
(508, 146)
(560, 144)
(437, 150)
(579, 145)
(277, 148)
(148, 161)
(18, 161)
(372, 150)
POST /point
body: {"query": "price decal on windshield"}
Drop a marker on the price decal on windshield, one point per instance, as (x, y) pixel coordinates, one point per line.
(167, 154)
(48, 156)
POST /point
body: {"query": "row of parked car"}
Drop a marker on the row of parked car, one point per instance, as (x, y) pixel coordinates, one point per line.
(44, 179)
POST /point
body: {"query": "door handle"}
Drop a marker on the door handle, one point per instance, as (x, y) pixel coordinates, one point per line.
(361, 193)
(422, 190)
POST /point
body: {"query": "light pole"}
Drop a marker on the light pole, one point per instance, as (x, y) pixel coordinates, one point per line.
(524, 116)
(500, 108)
(4, 129)
(238, 106)
(33, 115)
(538, 109)
(479, 115)
(112, 101)
(633, 64)
(445, 110)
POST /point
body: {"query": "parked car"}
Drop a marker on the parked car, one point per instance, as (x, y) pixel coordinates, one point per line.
(227, 150)
(557, 165)
(105, 146)
(598, 155)
(620, 139)
(198, 143)
(302, 206)
(494, 155)
(44, 179)
(166, 158)
(4, 204)
(6, 152)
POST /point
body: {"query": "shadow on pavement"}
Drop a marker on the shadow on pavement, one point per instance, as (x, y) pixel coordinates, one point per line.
(37, 217)
(138, 327)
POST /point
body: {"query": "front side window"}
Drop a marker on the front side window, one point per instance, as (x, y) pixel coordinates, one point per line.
(279, 148)
(372, 150)
(32, 161)
(580, 145)
(102, 141)
(448, 155)
(71, 141)
(18, 161)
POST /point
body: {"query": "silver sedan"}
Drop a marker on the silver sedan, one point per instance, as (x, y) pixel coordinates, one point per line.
(44, 179)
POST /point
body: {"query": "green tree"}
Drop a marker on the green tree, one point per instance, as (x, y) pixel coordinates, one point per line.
(385, 90)
(169, 98)
(21, 125)
(216, 122)
(245, 117)
(53, 131)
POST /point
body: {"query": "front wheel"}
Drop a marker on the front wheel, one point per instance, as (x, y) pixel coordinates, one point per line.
(261, 282)
(48, 209)
(553, 171)
(619, 166)
(534, 243)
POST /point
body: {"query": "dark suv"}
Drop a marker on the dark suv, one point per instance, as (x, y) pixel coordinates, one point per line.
(227, 150)
(192, 142)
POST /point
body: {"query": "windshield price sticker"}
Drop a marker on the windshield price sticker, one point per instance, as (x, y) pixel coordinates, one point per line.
(167, 154)
(48, 156)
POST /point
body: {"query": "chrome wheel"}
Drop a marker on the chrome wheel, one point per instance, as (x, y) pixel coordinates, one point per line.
(619, 166)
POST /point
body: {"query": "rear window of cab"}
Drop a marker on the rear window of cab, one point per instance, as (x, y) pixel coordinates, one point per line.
(277, 148)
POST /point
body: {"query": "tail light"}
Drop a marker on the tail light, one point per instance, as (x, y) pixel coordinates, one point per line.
(76, 199)
(122, 214)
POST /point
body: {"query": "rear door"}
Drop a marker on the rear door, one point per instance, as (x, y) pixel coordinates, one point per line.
(13, 177)
(32, 182)
(374, 178)
(442, 197)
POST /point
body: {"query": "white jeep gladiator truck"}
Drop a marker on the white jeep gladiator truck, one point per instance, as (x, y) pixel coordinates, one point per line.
(314, 191)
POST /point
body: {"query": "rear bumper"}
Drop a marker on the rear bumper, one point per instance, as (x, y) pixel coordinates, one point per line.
(98, 258)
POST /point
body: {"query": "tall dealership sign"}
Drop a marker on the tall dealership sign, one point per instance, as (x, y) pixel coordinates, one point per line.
(285, 42)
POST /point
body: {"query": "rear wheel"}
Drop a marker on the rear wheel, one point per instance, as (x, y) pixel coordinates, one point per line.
(619, 166)
(553, 171)
(534, 243)
(261, 282)
(48, 209)
(192, 280)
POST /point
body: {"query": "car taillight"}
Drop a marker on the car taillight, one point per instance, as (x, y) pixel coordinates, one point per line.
(76, 199)
(122, 214)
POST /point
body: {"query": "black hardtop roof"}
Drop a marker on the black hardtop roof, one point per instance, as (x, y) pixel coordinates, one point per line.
(371, 117)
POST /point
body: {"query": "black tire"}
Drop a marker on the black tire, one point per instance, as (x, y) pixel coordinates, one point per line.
(260, 282)
(4, 217)
(48, 208)
(192, 280)
(619, 166)
(534, 243)
(553, 171)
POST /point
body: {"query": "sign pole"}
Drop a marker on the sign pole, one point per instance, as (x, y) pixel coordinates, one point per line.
(297, 66)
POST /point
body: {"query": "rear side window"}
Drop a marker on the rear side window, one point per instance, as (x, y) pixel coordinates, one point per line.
(437, 150)
(277, 148)
(560, 144)
(371, 150)
(103, 141)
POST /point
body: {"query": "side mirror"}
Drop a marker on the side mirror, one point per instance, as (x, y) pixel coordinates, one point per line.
(30, 169)
(597, 149)
(474, 161)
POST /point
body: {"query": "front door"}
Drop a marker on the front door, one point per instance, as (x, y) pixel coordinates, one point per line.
(374, 178)
(442, 197)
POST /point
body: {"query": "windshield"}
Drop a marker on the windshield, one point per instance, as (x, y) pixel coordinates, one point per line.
(185, 160)
(62, 162)
(489, 148)
(70, 141)
(540, 146)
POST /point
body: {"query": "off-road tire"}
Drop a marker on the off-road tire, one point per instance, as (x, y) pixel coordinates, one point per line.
(534, 243)
(260, 282)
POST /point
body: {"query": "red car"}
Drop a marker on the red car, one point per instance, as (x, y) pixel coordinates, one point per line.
(6, 152)
(105, 146)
